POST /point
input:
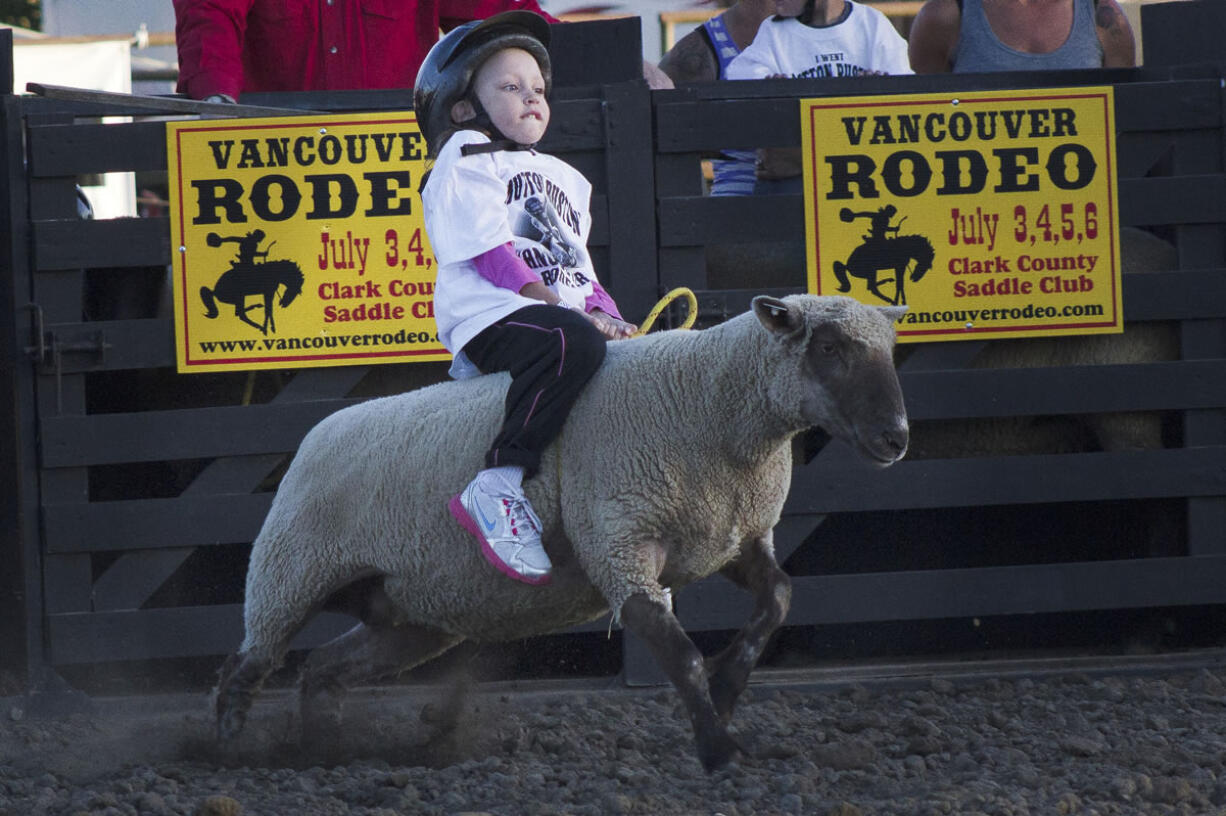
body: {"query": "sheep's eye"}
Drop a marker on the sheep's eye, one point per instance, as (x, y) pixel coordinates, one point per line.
(828, 348)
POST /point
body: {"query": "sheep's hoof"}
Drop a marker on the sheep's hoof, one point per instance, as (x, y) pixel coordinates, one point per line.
(227, 740)
(719, 753)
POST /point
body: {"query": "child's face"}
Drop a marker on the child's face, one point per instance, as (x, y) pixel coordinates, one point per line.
(511, 89)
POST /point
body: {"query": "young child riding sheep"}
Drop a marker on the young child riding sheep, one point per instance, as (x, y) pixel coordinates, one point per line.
(516, 291)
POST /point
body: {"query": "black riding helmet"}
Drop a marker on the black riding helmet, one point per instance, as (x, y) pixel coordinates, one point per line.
(446, 75)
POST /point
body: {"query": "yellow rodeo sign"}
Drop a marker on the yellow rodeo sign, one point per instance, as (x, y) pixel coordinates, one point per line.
(989, 214)
(300, 242)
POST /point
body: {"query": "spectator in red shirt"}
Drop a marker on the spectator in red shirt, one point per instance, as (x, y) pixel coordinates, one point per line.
(227, 47)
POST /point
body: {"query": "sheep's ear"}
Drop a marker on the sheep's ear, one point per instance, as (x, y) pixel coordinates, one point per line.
(894, 313)
(776, 315)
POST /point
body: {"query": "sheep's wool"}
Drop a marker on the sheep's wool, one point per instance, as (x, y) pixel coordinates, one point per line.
(677, 453)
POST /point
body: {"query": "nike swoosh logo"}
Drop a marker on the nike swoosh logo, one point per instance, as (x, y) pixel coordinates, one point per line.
(489, 525)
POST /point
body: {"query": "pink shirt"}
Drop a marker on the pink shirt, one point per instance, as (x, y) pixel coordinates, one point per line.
(232, 46)
(502, 267)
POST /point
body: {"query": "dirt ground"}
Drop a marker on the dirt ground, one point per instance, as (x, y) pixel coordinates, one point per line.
(1088, 737)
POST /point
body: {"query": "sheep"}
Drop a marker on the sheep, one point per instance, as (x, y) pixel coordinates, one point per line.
(673, 465)
(1140, 252)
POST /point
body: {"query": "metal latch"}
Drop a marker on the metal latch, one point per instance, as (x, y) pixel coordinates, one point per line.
(49, 349)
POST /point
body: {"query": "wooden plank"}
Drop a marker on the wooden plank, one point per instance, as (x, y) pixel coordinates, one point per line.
(1182, 32)
(678, 175)
(821, 488)
(630, 173)
(973, 592)
(198, 433)
(576, 124)
(130, 344)
(1073, 389)
(1137, 154)
(1168, 106)
(159, 633)
(237, 430)
(193, 631)
(158, 104)
(76, 244)
(603, 50)
(65, 582)
(77, 149)
(52, 199)
(68, 580)
(770, 117)
(1191, 295)
(1173, 200)
(21, 625)
(1203, 245)
(135, 576)
(694, 126)
(700, 220)
(204, 520)
(600, 234)
(190, 521)
(682, 266)
(715, 604)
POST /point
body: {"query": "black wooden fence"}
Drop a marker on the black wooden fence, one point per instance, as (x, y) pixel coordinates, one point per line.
(1171, 153)
(138, 491)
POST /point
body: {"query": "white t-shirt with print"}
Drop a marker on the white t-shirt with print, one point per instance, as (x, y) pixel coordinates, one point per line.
(865, 42)
(473, 204)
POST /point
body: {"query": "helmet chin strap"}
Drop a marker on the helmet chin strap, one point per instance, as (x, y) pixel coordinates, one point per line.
(492, 147)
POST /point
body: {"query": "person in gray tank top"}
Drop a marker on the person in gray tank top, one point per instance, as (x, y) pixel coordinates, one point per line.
(969, 36)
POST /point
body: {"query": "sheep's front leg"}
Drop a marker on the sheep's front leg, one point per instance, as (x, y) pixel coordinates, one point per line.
(756, 570)
(656, 625)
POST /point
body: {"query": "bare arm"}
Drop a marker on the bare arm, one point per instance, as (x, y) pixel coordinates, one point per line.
(1115, 34)
(934, 37)
(657, 80)
(779, 163)
(690, 60)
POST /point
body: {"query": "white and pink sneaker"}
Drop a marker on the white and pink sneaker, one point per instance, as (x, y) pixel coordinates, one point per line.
(509, 531)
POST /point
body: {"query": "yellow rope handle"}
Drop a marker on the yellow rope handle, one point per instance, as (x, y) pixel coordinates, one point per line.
(691, 312)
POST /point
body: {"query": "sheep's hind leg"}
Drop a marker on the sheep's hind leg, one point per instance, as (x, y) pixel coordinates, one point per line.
(367, 652)
(655, 623)
(240, 680)
(754, 569)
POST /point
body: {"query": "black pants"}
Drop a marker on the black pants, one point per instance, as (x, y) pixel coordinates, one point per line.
(551, 353)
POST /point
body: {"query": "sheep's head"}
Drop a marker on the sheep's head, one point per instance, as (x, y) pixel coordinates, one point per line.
(842, 365)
